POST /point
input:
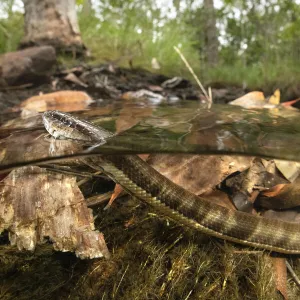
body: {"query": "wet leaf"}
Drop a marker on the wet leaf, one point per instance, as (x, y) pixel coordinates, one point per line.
(289, 169)
(130, 116)
(250, 100)
(35, 205)
(280, 271)
(198, 173)
(256, 178)
(144, 94)
(282, 196)
(220, 198)
(291, 215)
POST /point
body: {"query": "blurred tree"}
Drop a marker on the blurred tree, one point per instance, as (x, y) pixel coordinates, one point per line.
(52, 22)
(211, 34)
(87, 7)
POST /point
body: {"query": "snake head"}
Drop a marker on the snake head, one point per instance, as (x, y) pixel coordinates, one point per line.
(62, 125)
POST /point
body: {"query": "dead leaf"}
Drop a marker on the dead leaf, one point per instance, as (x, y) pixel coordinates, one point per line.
(130, 115)
(155, 64)
(291, 215)
(280, 272)
(281, 196)
(250, 100)
(275, 98)
(256, 178)
(172, 83)
(219, 197)
(289, 169)
(144, 94)
(35, 205)
(73, 78)
(290, 103)
(197, 173)
(155, 88)
(62, 100)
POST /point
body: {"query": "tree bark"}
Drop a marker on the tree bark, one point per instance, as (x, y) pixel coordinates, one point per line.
(211, 33)
(52, 22)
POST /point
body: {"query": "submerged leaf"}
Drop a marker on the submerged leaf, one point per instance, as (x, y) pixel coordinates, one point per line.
(198, 173)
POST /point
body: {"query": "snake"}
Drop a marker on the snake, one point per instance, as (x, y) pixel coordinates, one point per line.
(141, 180)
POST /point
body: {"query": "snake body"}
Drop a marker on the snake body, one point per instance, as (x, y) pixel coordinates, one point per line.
(145, 183)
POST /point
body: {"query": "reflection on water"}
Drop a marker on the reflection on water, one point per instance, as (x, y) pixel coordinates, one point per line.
(185, 128)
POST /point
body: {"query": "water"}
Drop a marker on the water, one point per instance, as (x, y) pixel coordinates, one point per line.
(187, 127)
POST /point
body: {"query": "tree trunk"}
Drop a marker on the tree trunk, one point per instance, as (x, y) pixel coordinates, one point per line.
(52, 22)
(211, 33)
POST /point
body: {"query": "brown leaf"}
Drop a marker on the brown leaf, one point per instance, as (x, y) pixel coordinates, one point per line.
(250, 100)
(130, 116)
(73, 78)
(220, 198)
(197, 173)
(35, 204)
(280, 275)
(31, 145)
(292, 216)
(282, 196)
(290, 103)
(275, 98)
(62, 100)
(289, 169)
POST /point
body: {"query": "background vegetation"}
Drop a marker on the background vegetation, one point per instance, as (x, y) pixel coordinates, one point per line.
(258, 41)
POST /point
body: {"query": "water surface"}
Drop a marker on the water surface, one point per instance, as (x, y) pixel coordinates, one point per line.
(188, 127)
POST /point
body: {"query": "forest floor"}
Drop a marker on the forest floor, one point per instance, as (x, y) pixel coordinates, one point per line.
(151, 257)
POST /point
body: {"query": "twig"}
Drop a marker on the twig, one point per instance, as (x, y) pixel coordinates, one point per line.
(293, 274)
(209, 100)
(16, 87)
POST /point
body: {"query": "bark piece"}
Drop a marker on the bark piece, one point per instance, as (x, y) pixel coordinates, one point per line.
(35, 204)
(27, 66)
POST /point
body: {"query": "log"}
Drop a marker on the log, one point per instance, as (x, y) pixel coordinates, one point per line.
(32, 65)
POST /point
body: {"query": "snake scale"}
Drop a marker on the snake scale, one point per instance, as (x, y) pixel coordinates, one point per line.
(145, 183)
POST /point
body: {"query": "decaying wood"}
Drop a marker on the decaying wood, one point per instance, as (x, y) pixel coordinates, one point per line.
(35, 205)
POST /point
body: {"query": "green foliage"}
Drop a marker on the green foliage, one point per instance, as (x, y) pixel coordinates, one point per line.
(259, 40)
(136, 32)
(11, 30)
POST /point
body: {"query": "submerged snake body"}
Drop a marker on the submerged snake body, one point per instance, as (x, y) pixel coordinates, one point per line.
(142, 181)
